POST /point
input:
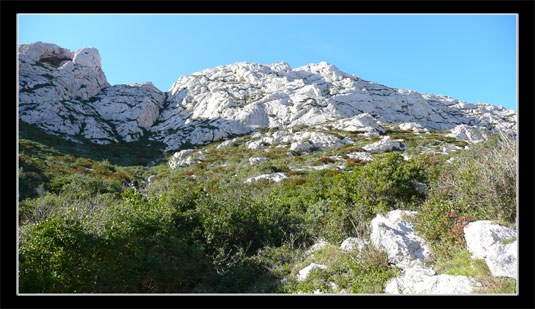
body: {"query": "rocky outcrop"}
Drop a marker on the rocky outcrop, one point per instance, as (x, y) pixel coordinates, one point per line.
(303, 273)
(384, 145)
(363, 156)
(397, 238)
(471, 134)
(485, 241)
(185, 157)
(66, 93)
(319, 244)
(276, 177)
(314, 141)
(423, 280)
(412, 126)
(352, 243)
(256, 160)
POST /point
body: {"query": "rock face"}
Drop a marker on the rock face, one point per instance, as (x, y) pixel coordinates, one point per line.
(484, 241)
(359, 123)
(423, 280)
(398, 239)
(66, 94)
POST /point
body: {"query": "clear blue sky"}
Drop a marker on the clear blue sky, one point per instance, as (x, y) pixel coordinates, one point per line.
(468, 57)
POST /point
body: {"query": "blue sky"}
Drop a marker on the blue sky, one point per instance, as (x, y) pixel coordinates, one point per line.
(468, 57)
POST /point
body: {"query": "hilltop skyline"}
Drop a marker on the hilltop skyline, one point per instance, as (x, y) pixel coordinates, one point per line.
(469, 57)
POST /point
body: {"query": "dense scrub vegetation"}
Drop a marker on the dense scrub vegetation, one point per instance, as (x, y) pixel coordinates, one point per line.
(200, 229)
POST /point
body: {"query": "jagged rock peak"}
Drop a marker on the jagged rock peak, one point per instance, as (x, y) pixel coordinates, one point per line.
(58, 57)
(61, 91)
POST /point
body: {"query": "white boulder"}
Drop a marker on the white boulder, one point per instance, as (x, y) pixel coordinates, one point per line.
(469, 134)
(359, 123)
(413, 126)
(276, 177)
(183, 153)
(363, 156)
(423, 280)
(484, 240)
(319, 244)
(256, 160)
(384, 145)
(303, 273)
(352, 243)
(398, 239)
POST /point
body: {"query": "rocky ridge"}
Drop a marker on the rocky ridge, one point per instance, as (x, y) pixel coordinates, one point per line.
(66, 93)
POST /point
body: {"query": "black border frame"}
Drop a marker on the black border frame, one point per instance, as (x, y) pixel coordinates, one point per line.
(525, 10)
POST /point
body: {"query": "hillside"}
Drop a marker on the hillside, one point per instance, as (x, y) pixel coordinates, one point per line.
(251, 178)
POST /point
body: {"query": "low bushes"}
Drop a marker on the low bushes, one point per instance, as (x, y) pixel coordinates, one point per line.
(90, 233)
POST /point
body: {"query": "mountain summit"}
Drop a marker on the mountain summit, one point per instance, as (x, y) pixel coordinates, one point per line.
(66, 93)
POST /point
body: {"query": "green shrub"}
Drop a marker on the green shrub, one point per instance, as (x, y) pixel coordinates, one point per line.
(484, 177)
(57, 256)
(386, 183)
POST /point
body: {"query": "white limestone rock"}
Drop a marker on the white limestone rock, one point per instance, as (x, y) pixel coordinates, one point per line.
(384, 145)
(131, 108)
(423, 280)
(256, 160)
(359, 123)
(185, 157)
(484, 240)
(310, 141)
(254, 145)
(219, 103)
(151, 179)
(182, 154)
(276, 177)
(352, 243)
(319, 244)
(363, 156)
(469, 134)
(413, 126)
(308, 168)
(303, 273)
(398, 239)
(229, 143)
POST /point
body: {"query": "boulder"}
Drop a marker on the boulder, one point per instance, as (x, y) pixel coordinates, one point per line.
(191, 158)
(256, 160)
(484, 240)
(303, 273)
(363, 156)
(413, 126)
(320, 244)
(304, 146)
(276, 177)
(352, 243)
(423, 280)
(471, 134)
(151, 178)
(398, 239)
(384, 145)
(183, 153)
